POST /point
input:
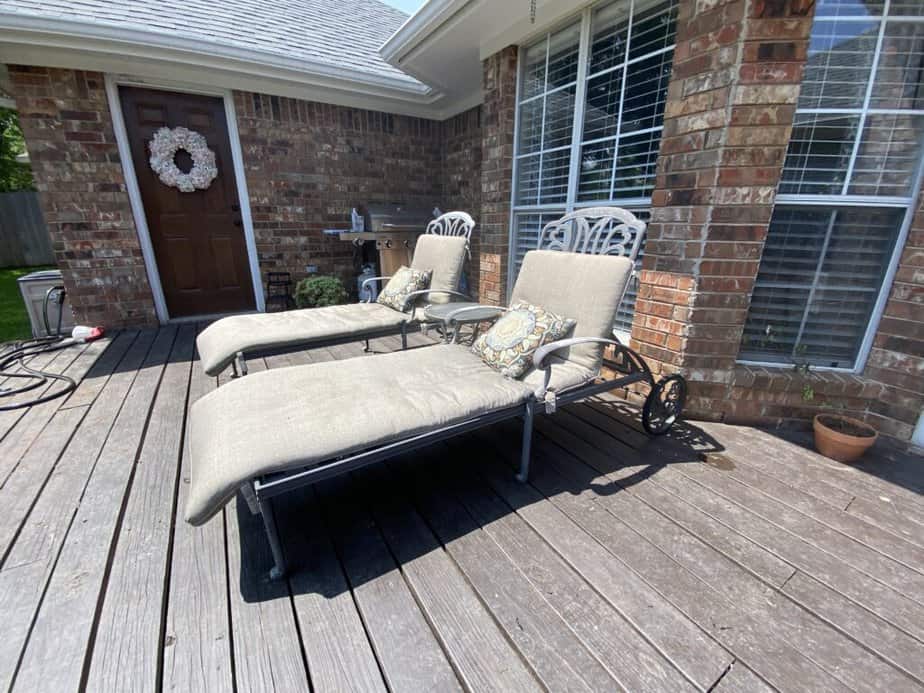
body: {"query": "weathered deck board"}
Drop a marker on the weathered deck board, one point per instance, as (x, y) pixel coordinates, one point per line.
(29, 563)
(129, 626)
(337, 650)
(707, 590)
(626, 563)
(29, 423)
(57, 649)
(480, 653)
(627, 655)
(266, 655)
(543, 638)
(772, 618)
(405, 647)
(197, 635)
(867, 629)
(685, 645)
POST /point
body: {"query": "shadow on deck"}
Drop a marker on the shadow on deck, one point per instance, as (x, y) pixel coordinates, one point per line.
(720, 557)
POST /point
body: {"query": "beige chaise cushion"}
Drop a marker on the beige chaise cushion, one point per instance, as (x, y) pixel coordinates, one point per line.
(220, 341)
(445, 255)
(587, 288)
(295, 417)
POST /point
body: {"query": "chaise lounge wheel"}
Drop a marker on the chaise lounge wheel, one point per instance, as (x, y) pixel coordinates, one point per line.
(664, 404)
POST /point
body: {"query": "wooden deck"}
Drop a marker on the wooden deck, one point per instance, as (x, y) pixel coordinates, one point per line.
(724, 558)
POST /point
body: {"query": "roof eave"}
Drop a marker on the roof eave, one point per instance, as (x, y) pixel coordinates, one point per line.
(419, 26)
(76, 35)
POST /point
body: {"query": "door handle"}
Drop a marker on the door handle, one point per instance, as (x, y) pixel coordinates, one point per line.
(238, 223)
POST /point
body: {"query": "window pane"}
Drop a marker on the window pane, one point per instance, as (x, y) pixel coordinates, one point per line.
(819, 154)
(528, 180)
(554, 176)
(839, 62)
(534, 70)
(610, 30)
(636, 163)
(818, 281)
(530, 128)
(559, 118)
(899, 79)
(596, 170)
(849, 8)
(653, 29)
(888, 155)
(646, 92)
(601, 113)
(563, 57)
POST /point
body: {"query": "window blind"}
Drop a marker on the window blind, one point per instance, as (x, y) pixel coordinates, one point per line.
(627, 64)
(847, 189)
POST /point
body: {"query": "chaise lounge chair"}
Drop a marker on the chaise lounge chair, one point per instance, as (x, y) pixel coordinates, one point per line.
(282, 429)
(442, 249)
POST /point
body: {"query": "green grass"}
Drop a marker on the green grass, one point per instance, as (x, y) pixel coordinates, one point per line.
(14, 321)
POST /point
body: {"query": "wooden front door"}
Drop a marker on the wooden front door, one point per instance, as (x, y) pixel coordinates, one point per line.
(198, 236)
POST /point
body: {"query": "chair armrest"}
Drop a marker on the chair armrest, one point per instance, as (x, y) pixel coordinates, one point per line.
(372, 279)
(414, 295)
(541, 355)
(461, 312)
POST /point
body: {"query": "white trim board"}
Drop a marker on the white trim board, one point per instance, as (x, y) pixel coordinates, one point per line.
(134, 192)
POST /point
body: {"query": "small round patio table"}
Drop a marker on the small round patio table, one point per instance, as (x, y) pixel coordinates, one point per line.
(474, 314)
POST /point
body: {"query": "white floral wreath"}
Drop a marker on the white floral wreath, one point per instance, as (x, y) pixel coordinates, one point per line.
(166, 143)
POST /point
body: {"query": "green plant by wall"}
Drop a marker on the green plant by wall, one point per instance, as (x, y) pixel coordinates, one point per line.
(315, 292)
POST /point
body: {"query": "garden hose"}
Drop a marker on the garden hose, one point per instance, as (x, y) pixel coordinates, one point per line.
(15, 355)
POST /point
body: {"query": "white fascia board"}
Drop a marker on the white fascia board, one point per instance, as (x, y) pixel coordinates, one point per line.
(235, 69)
(419, 27)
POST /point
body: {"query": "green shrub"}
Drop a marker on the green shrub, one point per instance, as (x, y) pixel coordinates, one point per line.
(314, 292)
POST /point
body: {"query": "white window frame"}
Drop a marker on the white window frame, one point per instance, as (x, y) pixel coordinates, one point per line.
(571, 203)
(844, 199)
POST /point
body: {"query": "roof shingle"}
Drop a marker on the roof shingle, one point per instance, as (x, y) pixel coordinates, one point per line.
(338, 33)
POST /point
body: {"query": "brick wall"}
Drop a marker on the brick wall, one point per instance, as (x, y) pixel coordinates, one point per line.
(498, 113)
(731, 100)
(897, 357)
(307, 164)
(461, 178)
(65, 119)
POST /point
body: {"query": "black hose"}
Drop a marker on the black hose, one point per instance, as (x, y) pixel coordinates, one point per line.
(18, 352)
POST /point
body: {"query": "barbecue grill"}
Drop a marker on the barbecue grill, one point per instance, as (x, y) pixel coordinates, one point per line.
(394, 227)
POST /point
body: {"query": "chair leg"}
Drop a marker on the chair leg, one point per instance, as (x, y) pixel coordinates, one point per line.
(240, 364)
(366, 348)
(404, 335)
(523, 474)
(269, 523)
(250, 497)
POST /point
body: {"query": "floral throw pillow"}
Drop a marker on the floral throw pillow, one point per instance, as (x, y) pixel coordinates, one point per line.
(401, 284)
(509, 345)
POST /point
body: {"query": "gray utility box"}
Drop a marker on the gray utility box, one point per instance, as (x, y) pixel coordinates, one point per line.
(33, 287)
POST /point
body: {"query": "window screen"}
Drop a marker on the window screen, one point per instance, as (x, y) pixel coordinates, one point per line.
(847, 189)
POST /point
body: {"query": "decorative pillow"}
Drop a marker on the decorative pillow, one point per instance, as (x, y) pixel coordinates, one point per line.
(401, 284)
(509, 345)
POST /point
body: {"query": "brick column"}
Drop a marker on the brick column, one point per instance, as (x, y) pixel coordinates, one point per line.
(498, 112)
(897, 357)
(75, 160)
(731, 100)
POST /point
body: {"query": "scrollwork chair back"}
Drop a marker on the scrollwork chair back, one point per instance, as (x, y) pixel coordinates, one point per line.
(595, 231)
(454, 224)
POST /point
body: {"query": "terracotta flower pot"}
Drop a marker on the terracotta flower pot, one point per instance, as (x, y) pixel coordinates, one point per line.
(842, 438)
